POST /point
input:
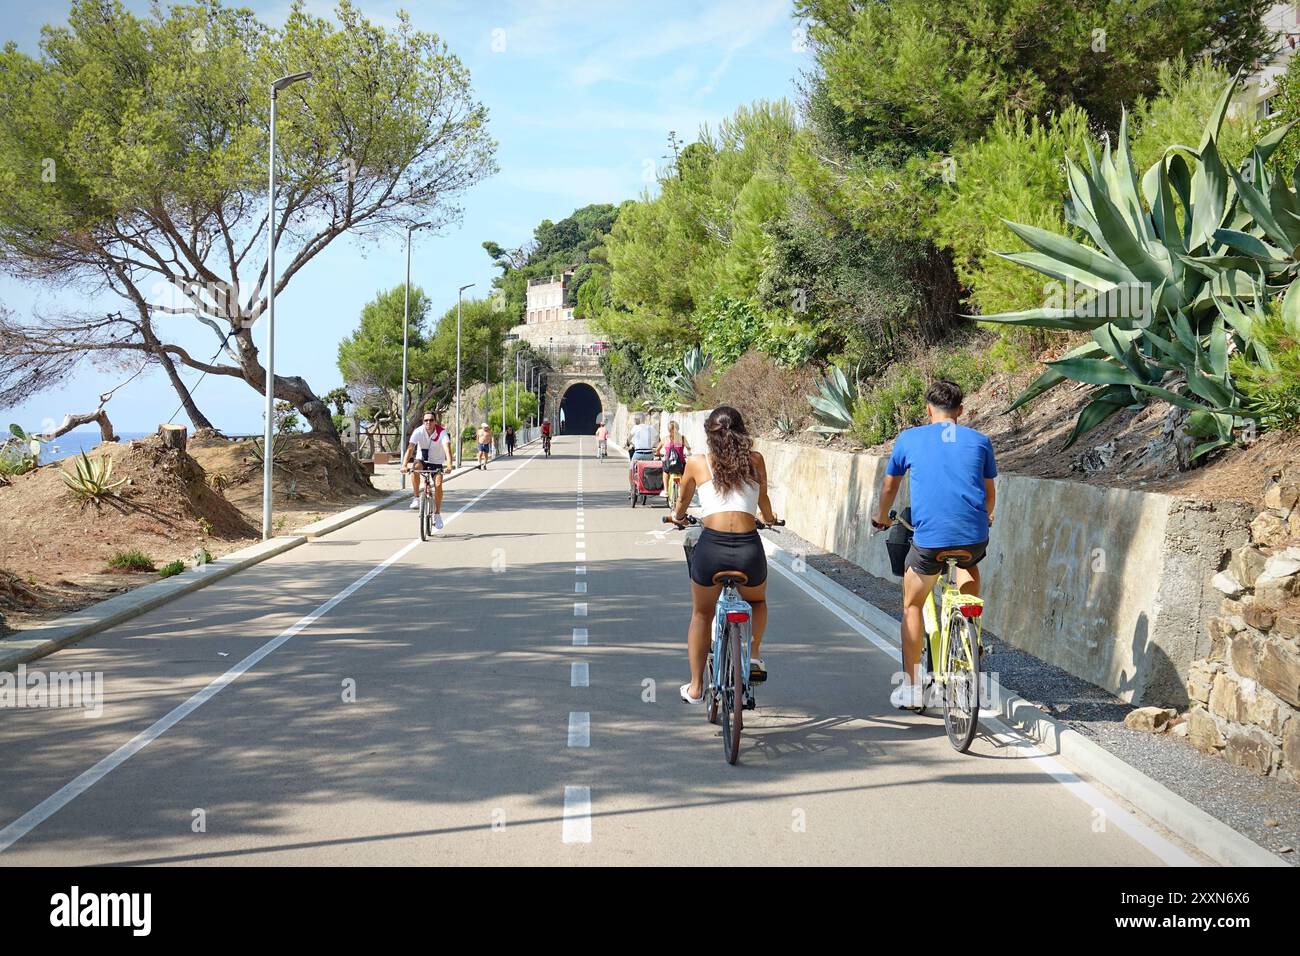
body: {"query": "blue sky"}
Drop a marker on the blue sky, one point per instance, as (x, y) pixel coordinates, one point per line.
(581, 96)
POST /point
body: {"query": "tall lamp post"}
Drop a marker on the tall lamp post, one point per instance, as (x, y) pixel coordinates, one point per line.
(459, 449)
(505, 347)
(406, 318)
(268, 436)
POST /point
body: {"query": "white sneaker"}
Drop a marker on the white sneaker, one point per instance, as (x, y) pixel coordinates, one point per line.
(437, 521)
(415, 504)
(907, 697)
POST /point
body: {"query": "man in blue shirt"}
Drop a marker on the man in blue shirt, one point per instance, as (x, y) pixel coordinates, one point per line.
(952, 497)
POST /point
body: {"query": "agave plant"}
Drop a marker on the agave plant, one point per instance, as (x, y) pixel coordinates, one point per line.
(259, 455)
(1166, 298)
(833, 407)
(91, 480)
(681, 383)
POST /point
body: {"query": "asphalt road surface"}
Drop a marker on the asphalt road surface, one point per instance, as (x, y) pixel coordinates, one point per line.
(507, 693)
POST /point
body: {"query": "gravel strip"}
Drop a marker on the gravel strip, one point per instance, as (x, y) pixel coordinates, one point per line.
(1244, 801)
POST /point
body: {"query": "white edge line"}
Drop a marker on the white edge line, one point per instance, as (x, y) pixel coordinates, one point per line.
(1165, 849)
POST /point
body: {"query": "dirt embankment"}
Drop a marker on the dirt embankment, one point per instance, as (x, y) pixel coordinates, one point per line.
(171, 505)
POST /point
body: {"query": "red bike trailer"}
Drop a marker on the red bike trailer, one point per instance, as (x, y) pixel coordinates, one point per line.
(645, 481)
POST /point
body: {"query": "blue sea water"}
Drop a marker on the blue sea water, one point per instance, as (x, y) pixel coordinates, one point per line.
(75, 442)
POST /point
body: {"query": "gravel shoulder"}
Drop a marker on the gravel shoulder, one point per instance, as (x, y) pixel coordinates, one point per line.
(1263, 808)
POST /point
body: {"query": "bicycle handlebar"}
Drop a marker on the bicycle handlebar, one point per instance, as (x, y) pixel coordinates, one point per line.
(692, 520)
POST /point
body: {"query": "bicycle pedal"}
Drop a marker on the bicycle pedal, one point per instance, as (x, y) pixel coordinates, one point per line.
(749, 701)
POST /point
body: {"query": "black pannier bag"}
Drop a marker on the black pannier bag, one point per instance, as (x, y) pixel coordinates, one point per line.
(898, 543)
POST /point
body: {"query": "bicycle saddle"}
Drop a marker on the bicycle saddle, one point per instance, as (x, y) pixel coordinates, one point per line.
(740, 577)
(961, 554)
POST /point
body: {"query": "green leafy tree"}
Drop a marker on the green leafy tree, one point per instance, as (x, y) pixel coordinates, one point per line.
(133, 159)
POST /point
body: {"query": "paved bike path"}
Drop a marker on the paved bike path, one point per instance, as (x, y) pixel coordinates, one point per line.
(466, 733)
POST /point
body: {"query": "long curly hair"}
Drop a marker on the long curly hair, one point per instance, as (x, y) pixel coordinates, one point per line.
(730, 448)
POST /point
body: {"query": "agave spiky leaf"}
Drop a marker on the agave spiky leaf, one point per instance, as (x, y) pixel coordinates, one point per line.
(833, 406)
(1204, 283)
(91, 479)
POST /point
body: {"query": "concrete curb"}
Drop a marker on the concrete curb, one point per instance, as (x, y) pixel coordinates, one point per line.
(45, 639)
(1211, 836)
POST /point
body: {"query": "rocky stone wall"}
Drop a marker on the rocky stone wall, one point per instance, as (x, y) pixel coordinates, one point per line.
(1245, 693)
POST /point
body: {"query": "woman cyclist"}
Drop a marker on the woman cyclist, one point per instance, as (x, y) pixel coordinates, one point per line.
(732, 483)
(672, 479)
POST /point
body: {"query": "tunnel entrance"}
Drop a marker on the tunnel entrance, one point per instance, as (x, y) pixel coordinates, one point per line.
(582, 408)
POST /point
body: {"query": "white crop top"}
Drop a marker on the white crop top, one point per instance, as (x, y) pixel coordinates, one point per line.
(744, 499)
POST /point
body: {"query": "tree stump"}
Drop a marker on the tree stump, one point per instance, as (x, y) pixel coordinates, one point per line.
(173, 436)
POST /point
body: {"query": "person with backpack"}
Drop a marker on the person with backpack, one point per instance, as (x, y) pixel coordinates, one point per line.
(673, 450)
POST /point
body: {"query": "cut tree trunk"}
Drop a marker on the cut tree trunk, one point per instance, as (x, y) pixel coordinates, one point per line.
(173, 436)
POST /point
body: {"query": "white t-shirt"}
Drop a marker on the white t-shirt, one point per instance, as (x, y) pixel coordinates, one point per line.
(643, 437)
(430, 447)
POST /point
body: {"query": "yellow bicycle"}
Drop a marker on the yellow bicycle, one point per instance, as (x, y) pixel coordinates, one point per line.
(953, 640)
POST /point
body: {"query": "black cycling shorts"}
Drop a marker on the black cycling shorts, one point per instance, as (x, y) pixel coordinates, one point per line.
(923, 560)
(429, 468)
(728, 551)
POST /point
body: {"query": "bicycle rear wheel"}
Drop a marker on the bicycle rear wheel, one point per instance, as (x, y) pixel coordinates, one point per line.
(732, 689)
(961, 686)
(426, 517)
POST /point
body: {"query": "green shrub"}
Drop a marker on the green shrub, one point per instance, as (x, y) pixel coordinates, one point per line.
(15, 460)
(131, 561)
(887, 408)
(898, 400)
(1273, 394)
(173, 567)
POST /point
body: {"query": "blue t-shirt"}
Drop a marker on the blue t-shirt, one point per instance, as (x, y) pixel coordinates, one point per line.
(949, 463)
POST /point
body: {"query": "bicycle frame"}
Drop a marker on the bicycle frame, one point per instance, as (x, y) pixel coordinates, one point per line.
(938, 625)
(731, 604)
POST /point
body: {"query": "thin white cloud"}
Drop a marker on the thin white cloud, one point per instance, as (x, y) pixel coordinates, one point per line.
(686, 119)
(579, 184)
(715, 26)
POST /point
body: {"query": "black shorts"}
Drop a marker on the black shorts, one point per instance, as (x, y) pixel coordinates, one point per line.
(429, 468)
(923, 560)
(728, 551)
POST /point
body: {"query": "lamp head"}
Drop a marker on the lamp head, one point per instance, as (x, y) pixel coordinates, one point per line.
(282, 82)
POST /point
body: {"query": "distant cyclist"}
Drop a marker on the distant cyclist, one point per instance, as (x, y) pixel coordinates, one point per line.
(546, 435)
(484, 439)
(952, 497)
(732, 484)
(431, 445)
(674, 451)
(602, 440)
(641, 441)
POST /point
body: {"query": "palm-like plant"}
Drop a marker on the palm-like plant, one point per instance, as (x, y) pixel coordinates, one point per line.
(833, 407)
(92, 479)
(681, 384)
(1170, 285)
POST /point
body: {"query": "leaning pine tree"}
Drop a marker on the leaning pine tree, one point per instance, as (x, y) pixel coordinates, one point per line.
(1179, 276)
(133, 159)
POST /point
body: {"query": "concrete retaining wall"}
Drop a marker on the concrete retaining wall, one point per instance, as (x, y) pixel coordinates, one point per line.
(1109, 584)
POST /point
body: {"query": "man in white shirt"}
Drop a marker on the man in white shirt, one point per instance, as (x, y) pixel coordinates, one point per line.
(641, 441)
(431, 445)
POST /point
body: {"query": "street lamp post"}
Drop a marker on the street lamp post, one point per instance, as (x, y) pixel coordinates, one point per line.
(459, 450)
(406, 317)
(268, 435)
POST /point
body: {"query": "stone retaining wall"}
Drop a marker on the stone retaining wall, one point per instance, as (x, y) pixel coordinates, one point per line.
(1246, 691)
